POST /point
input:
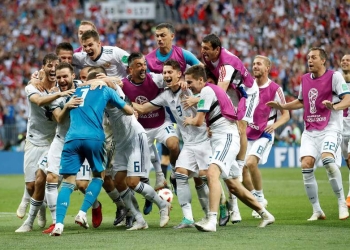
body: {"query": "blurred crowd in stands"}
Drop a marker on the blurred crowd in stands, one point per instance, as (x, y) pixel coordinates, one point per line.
(283, 30)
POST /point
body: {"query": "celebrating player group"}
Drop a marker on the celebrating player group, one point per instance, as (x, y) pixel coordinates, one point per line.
(95, 113)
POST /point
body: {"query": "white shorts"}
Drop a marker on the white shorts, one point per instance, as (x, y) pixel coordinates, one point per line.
(225, 147)
(84, 173)
(315, 143)
(260, 148)
(33, 156)
(161, 134)
(54, 161)
(195, 157)
(345, 146)
(134, 157)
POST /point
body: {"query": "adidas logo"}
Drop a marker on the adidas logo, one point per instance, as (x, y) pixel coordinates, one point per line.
(89, 193)
(173, 101)
(64, 204)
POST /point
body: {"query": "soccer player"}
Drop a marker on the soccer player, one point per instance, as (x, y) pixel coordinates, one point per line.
(140, 87)
(85, 139)
(235, 79)
(114, 60)
(60, 110)
(84, 26)
(323, 94)
(131, 162)
(194, 156)
(260, 132)
(165, 34)
(345, 66)
(220, 115)
(40, 133)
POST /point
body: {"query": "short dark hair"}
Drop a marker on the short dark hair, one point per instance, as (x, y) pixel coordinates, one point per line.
(210, 74)
(196, 72)
(90, 34)
(133, 56)
(173, 63)
(169, 26)
(98, 69)
(63, 65)
(92, 75)
(64, 46)
(49, 58)
(323, 53)
(213, 39)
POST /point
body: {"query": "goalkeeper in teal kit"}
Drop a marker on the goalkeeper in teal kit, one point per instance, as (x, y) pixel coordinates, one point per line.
(85, 139)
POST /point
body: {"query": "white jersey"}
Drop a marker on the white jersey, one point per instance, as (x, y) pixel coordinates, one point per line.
(208, 98)
(335, 122)
(113, 59)
(62, 128)
(124, 127)
(346, 119)
(40, 128)
(190, 134)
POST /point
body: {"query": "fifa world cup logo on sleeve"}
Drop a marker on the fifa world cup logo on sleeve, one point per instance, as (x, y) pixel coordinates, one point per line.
(313, 93)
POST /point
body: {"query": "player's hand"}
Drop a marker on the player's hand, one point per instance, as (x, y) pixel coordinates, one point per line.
(270, 128)
(74, 102)
(37, 84)
(209, 133)
(96, 84)
(54, 89)
(190, 101)
(67, 92)
(183, 85)
(136, 114)
(275, 105)
(329, 105)
(188, 120)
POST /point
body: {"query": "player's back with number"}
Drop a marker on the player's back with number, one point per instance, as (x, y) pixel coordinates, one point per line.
(86, 120)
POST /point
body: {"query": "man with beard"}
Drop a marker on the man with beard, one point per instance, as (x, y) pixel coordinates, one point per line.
(261, 132)
(140, 87)
(194, 156)
(85, 139)
(114, 60)
(216, 108)
(324, 95)
(40, 133)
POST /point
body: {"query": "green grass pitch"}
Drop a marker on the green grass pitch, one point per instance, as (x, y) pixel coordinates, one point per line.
(283, 189)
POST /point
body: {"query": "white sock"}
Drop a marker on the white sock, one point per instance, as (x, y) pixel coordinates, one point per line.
(334, 177)
(127, 195)
(203, 197)
(26, 196)
(33, 211)
(115, 197)
(156, 160)
(233, 203)
(311, 188)
(148, 192)
(184, 195)
(51, 193)
(259, 195)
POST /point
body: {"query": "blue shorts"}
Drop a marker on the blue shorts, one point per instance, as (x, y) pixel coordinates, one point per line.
(75, 151)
